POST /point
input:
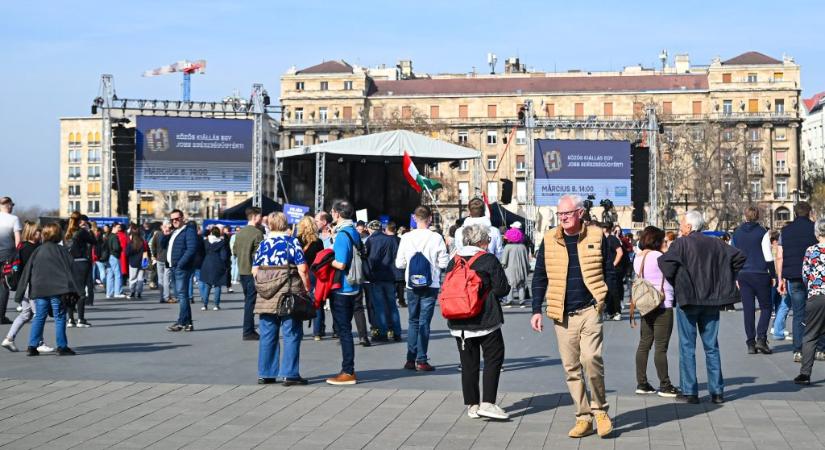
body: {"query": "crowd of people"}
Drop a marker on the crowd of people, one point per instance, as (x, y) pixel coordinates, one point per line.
(364, 272)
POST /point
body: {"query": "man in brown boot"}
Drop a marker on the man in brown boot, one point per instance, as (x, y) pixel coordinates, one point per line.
(572, 256)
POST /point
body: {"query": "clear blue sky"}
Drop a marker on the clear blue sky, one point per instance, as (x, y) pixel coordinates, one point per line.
(53, 52)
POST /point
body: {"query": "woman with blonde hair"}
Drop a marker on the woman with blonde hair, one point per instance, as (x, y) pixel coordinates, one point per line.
(279, 255)
(311, 244)
(31, 240)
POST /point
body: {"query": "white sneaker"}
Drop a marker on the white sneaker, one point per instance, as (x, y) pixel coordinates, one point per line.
(69, 324)
(9, 345)
(492, 411)
(617, 317)
(19, 308)
(121, 296)
(472, 411)
(45, 349)
(203, 308)
(83, 324)
(216, 308)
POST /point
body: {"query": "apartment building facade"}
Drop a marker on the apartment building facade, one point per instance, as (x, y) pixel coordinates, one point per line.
(751, 100)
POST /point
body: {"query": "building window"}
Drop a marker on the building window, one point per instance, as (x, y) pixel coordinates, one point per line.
(325, 85)
(94, 172)
(299, 86)
(464, 165)
(521, 191)
(463, 137)
(781, 134)
(667, 108)
(638, 108)
(491, 111)
(74, 190)
(464, 191)
(697, 108)
(74, 156)
(491, 162)
(74, 205)
(299, 115)
(347, 85)
(406, 112)
(74, 172)
(492, 137)
(726, 78)
(753, 105)
(347, 112)
(521, 137)
(378, 113)
(551, 110)
(727, 134)
(323, 138)
(433, 112)
(92, 189)
(492, 191)
(323, 115)
(755, 162)
(780, 105)
(94, 206)
(756, 189)
(578, 110)
(783, 214)
(299, 140)
(751, 78)
(521, 162)
(462, 112)
(778, 76)
(781, 162)
(727, 107)
(608, 109)
(754, 134)
(94, 155)
(781, 189)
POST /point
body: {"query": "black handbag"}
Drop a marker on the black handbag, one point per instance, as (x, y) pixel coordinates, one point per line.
(297, 305)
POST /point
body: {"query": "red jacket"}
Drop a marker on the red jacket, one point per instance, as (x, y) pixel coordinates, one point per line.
(324, 275)
(124, 259)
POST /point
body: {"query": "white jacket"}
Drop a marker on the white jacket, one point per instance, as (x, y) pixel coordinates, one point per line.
(431, 245)
(495, 246)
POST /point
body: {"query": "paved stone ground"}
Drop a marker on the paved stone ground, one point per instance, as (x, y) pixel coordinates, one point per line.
(135, 385)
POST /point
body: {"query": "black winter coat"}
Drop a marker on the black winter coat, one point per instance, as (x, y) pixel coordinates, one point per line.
(48, 273)
(494, 282)
(702, 270)
(213, 269)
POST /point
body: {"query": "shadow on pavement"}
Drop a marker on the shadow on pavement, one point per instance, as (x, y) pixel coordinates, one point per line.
(510, 365)
(135, 347)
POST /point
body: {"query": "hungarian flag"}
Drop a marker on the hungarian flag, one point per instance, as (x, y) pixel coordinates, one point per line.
(416, 180)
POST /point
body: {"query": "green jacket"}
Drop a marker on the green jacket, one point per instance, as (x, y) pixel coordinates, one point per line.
(246, 244)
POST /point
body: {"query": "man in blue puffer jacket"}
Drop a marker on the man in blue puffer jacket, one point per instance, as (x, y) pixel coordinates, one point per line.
(183, 248)
(754, 281)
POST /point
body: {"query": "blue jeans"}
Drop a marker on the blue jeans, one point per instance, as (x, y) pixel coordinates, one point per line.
(234, 271)
(343, 307)
(782, 309)
(101, 271)
(383, 304)
(114, 280)
(183, 282)
(273, 363)
(41, 310)
(420, 305)
(249, 294)
(706, 320)
(798, 293)
(206, 289)
(196, 278)
(319, 326)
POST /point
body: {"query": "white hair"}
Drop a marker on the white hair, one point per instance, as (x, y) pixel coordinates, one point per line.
(475, 234)
(819, 228)
(695, 219)
(577, 201)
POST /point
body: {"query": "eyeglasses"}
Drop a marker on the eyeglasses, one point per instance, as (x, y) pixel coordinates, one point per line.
(175, 219)
(567, 213)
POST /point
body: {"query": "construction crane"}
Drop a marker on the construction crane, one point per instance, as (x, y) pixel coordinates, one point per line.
(187, 67)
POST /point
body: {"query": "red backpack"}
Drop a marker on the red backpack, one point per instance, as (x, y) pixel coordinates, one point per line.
(461, 296)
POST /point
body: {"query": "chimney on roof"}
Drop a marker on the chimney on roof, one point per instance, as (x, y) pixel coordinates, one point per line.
(682, 63)
(406, 68)
(513, 65)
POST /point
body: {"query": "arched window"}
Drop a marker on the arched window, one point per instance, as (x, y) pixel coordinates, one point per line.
(90, 138)
(782, 214)
(97, 137)
(71, 138)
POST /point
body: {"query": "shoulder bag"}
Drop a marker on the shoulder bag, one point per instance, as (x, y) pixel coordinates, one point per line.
(644, 294)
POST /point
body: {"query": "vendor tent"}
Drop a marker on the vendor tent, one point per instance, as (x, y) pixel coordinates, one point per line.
(237, 212)
(365, 170)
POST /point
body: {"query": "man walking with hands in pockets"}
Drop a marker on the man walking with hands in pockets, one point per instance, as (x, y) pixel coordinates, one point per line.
(571, 257)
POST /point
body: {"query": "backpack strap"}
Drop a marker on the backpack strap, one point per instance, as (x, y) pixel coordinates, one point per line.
(642, 267)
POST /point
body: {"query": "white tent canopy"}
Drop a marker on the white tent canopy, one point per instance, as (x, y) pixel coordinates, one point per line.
(387, 144)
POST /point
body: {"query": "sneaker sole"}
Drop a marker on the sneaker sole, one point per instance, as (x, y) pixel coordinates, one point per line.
(493, 416)
(641, 392)
(666, 395)
(473, 416)
(341, 383)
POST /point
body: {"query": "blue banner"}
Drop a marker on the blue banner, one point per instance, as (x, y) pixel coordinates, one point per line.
(108, 221)
(294, 213)
(581, 167)
(193, 154)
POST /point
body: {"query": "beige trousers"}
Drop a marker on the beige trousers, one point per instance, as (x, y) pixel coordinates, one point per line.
(580, 346)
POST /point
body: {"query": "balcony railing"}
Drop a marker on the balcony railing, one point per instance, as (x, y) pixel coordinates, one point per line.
(781, 171)
(319, 123)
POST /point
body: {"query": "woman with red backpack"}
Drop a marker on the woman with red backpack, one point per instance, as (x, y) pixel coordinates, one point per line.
(481, 331)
